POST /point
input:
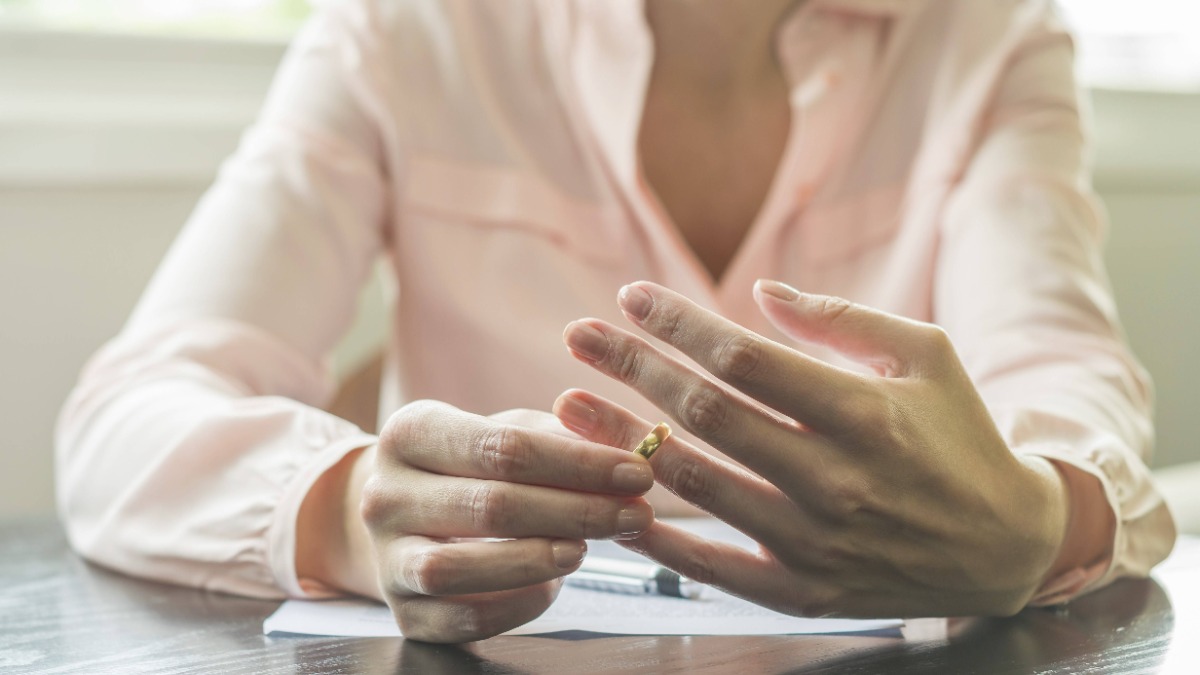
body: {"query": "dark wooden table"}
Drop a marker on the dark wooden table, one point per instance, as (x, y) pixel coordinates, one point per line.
(59, 614)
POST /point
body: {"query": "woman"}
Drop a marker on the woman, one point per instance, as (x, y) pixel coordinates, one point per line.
(945, 422)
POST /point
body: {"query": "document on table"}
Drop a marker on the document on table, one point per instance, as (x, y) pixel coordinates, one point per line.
(580, 609)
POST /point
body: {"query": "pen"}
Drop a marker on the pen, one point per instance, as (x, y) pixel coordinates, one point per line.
(634, 578)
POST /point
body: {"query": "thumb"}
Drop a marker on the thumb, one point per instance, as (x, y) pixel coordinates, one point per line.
(891, 345)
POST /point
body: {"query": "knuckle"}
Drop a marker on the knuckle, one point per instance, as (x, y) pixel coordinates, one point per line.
(405, 425)
(669, 322)
(435, 621)
(937, 338)
(847, 499)
(585, 475)
(895, 434)
(739, 358)
(833, 310)
(699, 567)
(704, 410)
(936, 345)
(626, 362)
(834, 555)
(505, 451)
(691, 482)
(410, 620)
(426, 572)
(592, 522)
(531, 570)
(882, 418)
(376, 502)
(472, 623)
(487, 508)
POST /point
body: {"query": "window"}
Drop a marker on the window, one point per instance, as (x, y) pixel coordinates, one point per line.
(273, 19)
(1147, 44)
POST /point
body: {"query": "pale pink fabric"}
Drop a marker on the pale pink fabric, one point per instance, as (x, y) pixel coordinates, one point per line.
(936, 169)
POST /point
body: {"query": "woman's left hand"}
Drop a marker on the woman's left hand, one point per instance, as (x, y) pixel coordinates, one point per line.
(884, 495)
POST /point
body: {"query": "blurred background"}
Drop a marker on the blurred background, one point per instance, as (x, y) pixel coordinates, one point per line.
(115, 115)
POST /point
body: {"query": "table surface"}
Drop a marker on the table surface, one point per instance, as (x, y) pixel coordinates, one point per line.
(59, 614)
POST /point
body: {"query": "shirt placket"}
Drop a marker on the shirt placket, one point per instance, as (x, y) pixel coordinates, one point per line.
(611, 61)
(827, 63)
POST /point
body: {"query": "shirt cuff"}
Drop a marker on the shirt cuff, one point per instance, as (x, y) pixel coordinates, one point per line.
(1079, 580)
(282, 535)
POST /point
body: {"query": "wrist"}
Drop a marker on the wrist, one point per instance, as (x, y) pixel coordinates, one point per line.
(1082, 525)
(361, 563)
(333, 546)
(1051, 519)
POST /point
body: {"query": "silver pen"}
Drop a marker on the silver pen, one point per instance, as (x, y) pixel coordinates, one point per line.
(634, 578)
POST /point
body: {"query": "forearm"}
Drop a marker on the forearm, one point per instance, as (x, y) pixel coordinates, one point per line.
(168, 470)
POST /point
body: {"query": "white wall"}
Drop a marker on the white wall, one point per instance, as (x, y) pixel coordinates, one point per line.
(1154, 259)
(72, 261)
(105, 144)
(1148, 171)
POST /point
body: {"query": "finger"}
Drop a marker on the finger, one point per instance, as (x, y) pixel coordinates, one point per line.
(532, 419)
(891, 345)
(803, 388)
(752, 576)
(736, 496)
(449, 506)
(423, 566)
(769, 446)
(441, 439)
(465, 618)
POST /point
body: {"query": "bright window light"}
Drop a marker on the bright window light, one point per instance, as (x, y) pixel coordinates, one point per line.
(1147, 44)
(229, 18)
(1123, 44)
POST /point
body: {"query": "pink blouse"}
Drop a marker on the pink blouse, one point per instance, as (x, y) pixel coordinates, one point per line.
(936, 169)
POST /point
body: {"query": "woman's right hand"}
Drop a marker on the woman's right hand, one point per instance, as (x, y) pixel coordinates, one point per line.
(445, 484)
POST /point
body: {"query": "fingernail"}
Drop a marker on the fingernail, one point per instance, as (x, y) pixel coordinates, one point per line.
(633, 520)
(576, 414)
(568, 553)
(636, 477)
(778, 290)
(635, 301)
(586, 341)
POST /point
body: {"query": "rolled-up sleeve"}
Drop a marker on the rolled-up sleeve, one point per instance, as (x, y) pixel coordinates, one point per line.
(1022, 290)
(185, 450)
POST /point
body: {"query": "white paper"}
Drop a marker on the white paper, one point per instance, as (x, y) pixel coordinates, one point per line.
(580, 609)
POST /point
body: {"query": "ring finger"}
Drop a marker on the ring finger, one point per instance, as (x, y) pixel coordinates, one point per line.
(728, 492)
(765, 443)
